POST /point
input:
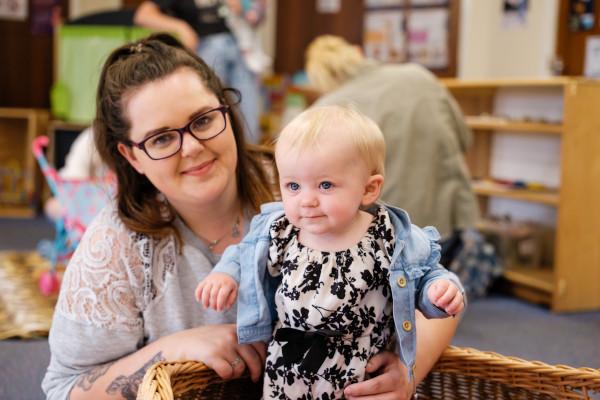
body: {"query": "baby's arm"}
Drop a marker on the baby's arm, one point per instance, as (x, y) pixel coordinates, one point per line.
(444, 294)
(440, 292)
(217, 291)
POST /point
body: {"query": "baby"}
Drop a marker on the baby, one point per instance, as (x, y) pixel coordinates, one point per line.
(337, 273)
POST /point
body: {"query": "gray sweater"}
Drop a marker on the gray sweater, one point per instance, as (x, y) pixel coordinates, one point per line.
(426, 137)
(121, 291)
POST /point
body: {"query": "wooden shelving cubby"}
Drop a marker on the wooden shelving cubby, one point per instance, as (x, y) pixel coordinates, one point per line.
(572, 283)
(19, 175)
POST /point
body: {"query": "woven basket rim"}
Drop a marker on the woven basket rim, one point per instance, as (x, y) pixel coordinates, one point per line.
(536, 376)
(490, 357)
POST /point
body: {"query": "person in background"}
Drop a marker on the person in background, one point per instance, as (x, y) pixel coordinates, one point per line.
(242, 19)
(187, 186)
(424, 129)
(328, 248)
(202, 26)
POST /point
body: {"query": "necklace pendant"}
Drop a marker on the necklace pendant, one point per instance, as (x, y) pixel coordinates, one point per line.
(235, 230)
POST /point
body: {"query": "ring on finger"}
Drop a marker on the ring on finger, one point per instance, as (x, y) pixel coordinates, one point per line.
(235, 362)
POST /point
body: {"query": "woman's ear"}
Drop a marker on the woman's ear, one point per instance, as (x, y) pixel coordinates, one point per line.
(127, 152)
(372, 189)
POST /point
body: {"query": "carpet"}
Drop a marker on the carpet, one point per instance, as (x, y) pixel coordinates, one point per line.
(24, 311)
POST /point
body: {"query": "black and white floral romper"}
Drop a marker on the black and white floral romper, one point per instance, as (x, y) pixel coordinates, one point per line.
(334, 312)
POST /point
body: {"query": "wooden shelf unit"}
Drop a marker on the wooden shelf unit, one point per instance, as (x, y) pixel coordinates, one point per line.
(536, 196)
(500, 124)
(19, 175)
(573, 282)
(537, 278)
(455, 84)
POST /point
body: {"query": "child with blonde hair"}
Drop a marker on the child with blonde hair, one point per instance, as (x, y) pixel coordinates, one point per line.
(423, 126)
(328, 276)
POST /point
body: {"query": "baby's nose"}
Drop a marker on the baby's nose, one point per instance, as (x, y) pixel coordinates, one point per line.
(309, 200)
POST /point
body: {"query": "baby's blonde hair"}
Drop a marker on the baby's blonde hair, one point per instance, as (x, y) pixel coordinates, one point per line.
(330, 61)
(306, 129)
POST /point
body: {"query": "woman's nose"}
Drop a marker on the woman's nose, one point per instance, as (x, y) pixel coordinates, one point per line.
(190, 145)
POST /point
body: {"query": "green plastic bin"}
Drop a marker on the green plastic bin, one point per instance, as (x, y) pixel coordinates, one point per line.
(82, 50)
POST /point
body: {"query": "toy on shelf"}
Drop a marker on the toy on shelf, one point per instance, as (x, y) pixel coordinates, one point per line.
(81, 200)
(520, 243)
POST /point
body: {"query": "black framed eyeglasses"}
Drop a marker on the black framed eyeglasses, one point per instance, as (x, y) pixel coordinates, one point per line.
(167, 142)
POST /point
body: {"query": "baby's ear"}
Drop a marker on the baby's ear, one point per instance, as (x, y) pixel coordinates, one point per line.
(372, 189)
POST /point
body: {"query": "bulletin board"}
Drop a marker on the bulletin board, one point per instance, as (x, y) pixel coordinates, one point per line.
(419, 31)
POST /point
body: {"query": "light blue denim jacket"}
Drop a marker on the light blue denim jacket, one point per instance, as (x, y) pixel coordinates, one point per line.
(413, 269)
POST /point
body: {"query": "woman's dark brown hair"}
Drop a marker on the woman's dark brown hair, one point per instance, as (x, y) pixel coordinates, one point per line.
(128, 68)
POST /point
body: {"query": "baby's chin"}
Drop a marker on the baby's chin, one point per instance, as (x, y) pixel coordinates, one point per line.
(315, 228)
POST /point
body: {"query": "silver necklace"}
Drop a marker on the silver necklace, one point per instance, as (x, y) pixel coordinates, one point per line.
(235, 232)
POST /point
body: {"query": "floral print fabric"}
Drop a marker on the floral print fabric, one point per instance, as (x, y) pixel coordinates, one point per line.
(343, 291)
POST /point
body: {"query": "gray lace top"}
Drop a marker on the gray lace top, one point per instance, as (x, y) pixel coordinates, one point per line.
(121, 291)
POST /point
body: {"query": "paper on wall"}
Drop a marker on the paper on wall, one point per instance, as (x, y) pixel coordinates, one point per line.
(592, 57)
(13, 9)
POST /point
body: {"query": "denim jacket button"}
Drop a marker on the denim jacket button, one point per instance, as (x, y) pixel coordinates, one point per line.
(401, 281)
(406, 325)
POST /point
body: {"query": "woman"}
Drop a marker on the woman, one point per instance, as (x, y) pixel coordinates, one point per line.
(184, 195)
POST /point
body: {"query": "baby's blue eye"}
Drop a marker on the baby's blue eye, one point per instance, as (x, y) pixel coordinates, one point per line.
(326, 185)
(293, 186)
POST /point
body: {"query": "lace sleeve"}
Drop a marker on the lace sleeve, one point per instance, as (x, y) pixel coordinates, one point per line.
(113, 277)
(102, 286)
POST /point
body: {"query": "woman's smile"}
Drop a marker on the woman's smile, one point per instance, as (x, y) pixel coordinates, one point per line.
(200, 169)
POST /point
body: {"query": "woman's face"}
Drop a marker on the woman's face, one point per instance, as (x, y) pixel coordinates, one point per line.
(201, 173)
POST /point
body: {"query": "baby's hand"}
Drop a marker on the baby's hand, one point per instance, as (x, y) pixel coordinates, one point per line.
(446, 296)
(217, 291)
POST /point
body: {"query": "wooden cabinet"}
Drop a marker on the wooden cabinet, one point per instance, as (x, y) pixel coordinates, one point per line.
(299, 22)
(572, 118)
(19, 175)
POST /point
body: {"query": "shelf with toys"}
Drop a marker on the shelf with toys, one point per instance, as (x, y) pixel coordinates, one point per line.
(19, 178)
(534, 154)
(517, 190)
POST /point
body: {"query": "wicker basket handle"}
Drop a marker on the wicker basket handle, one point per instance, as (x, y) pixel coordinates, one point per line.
(157, 383)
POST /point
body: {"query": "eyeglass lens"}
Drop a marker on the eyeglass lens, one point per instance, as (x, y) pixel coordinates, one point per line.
(203, 127)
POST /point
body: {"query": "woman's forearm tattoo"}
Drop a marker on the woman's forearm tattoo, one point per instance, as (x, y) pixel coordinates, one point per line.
(127, 385)
(86, 380)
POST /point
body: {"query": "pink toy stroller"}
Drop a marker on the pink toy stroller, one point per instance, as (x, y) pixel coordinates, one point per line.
(81, 200)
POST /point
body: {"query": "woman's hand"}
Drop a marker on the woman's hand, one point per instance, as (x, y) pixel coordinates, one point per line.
(217, 347)
(390, 383)
(433, 336)
(235, 6)
(187, 36)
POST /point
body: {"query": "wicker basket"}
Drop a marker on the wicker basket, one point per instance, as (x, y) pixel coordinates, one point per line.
(192, 380)
(461, 373)
(464, 373)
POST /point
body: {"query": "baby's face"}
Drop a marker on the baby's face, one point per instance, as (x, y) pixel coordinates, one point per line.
(322, 187)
